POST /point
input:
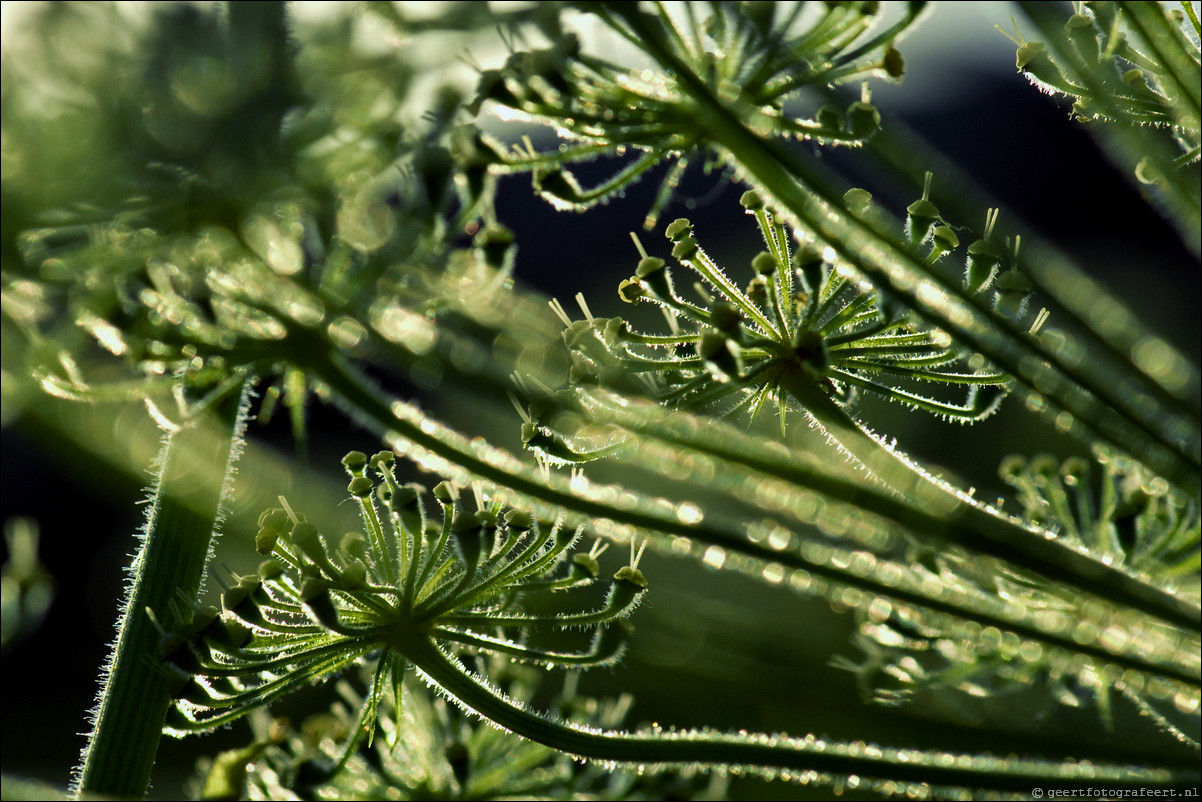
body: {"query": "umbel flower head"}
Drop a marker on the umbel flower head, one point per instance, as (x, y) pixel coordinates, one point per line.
(752, 58)
(481, 581)
(804, 323)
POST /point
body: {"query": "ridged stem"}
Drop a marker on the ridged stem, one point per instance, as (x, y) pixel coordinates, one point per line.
(194, 468)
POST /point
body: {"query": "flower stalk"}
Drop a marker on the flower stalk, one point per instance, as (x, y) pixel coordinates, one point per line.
(195, 468)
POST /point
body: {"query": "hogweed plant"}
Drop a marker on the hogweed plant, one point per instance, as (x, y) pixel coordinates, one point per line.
(272, 211)
(311, 610)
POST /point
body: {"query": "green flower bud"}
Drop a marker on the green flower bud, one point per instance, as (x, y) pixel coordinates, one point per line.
(943, 240)
(1010, 305)
(469, 541)
(1012, 281)
(829, 119)
(517, 519)
(893, 64)
(1034, 60)
(265, 540)
(764, 264)
(684, 248)
(361, 487)
(406, 496)
(946, 237)
(354, 462)
(587, 564)
(757, 291)
(652, 274)
(382, 460)
(981, 266)
(1080, 31)
(446, 492)
(678, 229)
(858, 200)
(354, 575)
(273, 518)
(306, 538)
(812, 268)
(353, 544)
(921, 217)
(649, 265)
(720, 355)
(863, 120)
(1010, 300)
(751, 201)
(632, 576)
(631, 289)
(725, 317)
(227, 633)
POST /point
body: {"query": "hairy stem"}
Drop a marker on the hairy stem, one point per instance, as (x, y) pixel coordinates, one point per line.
(194, 467)
(977, 527)
(772, 751)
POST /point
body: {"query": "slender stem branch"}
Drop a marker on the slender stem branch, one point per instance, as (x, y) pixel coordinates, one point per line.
(770, 751)
(977, 527)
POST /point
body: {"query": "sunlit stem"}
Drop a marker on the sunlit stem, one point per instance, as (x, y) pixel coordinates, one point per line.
(385, 551)
(770, 751)
(132, 708)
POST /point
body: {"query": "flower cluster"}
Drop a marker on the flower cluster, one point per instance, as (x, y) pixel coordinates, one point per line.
(1115, 509)
(1127, 84)
(754, 59)
(481, 581)
(803, 324)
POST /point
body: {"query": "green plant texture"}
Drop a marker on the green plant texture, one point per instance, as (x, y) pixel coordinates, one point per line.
(835, 476)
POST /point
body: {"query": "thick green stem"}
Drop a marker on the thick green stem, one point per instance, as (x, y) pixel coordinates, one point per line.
(774, 751)
(195, 465)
